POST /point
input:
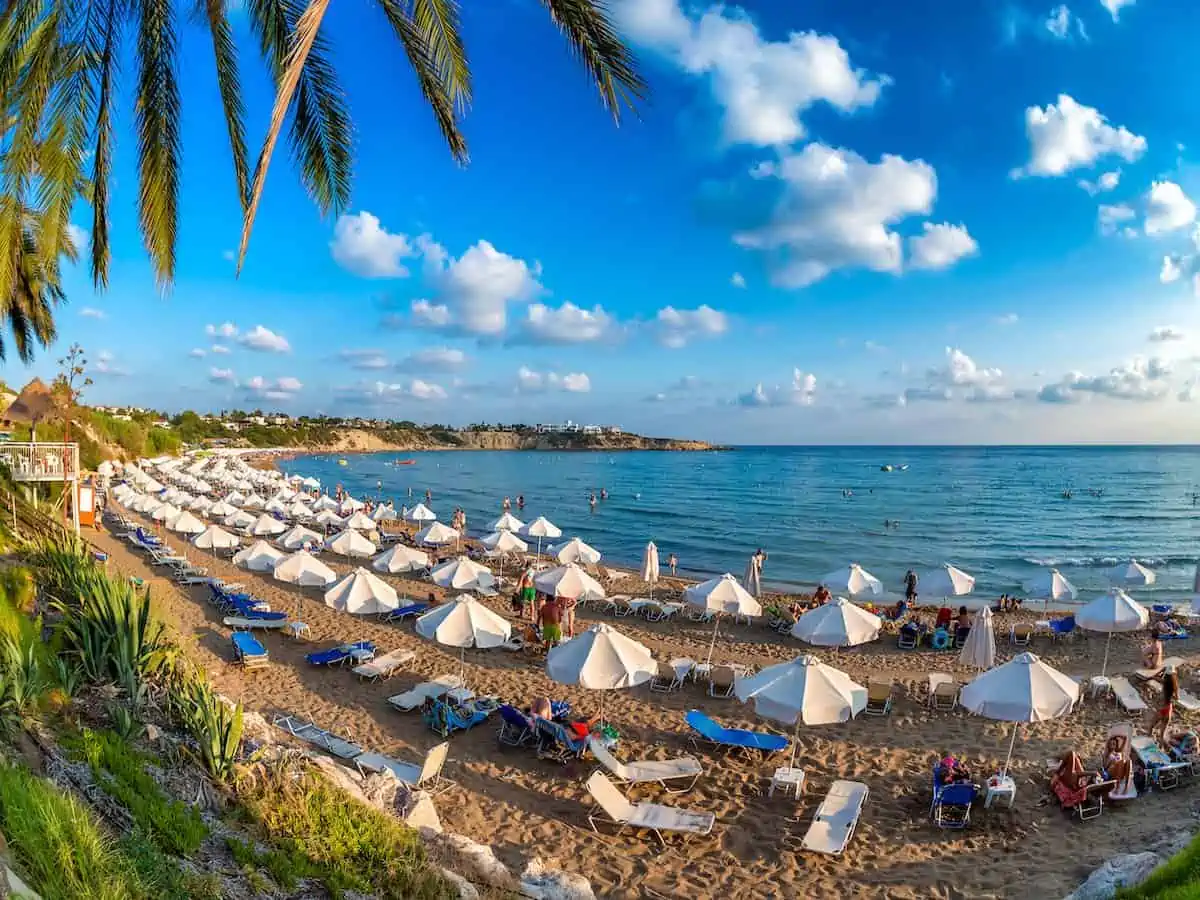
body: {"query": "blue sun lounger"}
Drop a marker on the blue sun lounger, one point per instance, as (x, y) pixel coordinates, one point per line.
(248, 650)
(708, 732)
(399, 615)
(336, 656)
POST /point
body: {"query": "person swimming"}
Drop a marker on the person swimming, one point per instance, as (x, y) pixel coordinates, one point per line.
(603, 493)
(592, 501)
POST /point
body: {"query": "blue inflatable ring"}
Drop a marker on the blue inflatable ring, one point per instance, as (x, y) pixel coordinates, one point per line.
(940, 639)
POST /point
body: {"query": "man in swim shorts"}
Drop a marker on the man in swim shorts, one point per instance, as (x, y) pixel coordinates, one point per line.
(550, 618)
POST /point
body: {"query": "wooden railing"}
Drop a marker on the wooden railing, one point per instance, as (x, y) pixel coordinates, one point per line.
(41, 462)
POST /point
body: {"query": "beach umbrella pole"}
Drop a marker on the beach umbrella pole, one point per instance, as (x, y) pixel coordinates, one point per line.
(1011, 743)
(1104, 665)
(795, 741)
(713, 643)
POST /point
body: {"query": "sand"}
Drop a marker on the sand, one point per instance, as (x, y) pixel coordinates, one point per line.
(526, 807)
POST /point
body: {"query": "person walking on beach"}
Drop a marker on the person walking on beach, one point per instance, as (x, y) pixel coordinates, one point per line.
(567, 605)
(528, 594)
(550, 618)
(1166, 708)
(910, 587)
(672, 563)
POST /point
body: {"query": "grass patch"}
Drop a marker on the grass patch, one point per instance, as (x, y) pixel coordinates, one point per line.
(1177, 879)
(174, 826)
(317, 830)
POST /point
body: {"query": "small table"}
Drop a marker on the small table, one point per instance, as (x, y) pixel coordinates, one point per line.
(787, 779)
(1000, 787)
(361, 655)
(1099, 686)
(297, 630)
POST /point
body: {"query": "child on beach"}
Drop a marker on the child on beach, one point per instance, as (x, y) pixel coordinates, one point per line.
(672, 562)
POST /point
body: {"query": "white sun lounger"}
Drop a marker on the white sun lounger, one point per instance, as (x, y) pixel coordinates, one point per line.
(650, 770)
(443, 684)
(615, 809)
(384, 666)
(319, 737)
(427, 776)
(248, 624)
(1151, 674)
(836, 818)
(1131, 701)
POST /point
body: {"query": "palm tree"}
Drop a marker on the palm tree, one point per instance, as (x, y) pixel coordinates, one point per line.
(59, 78)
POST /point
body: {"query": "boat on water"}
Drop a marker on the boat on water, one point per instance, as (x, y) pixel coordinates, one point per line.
(404, 462)
(342, 462)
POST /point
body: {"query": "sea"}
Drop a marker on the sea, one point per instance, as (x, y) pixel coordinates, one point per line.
(1001, 514)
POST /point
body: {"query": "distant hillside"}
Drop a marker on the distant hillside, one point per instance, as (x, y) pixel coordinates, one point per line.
(352, 440)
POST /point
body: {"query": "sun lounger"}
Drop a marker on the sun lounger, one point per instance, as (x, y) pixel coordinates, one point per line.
(443, 684)
(248, 651)
(1188, 701)
(516, 728)
(427, 776)
(720, 681)
(1125, 694)
(446, 716)
(1021, 635)
(615, 809)
(556, 743)
(384, 666)
(1164, 772)
(879, 697)
(326, 740)
(404, 612)
(619, 606)
(836, 818)
(360, 651)
(246, 623)
(654, 771)
(666, 679)
(1152, 674)
(707, 732)
(951, 804)
(943, 691)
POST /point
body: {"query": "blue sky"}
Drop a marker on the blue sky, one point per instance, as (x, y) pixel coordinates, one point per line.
(831, 222)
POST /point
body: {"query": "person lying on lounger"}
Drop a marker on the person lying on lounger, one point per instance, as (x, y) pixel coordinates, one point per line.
(1183, 743)
(1117, 763)
(1072, 774)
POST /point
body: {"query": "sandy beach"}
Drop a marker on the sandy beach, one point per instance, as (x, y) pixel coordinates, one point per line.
(526, 807)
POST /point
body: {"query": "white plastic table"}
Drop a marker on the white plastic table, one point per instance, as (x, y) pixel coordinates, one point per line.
(1099, 686)
(787, 779)
(1000, 789)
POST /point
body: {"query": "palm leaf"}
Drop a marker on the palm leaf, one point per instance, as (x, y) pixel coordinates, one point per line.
(588, 28)
(102, 153)
(229, 85)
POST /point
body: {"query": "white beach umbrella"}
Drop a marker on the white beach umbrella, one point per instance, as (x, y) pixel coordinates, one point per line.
(979, 651)
(464, 623)
(221, 509)
(436, 535)
(253, 501)
(752, 578)
(601, 659)
(1131, 574)
(202, 486)
(258, 557)
(351, 543)
(327, 518)
(576, 551)
(420, 514)
(310, 482)
(151, 486)
(1110, 613)
(300, 510)
(721, 596)
(462, 574)
(508, 522)
(349, 506)
(235, 498)
(186, 523)
(838, 623)
(384, 513)
(245, 485)
(569, 581)
(400, 558)
(649, 570)
(267, 525)
(297, 536)
(201, 505)
(504, 542)
(240, 519)
(105, 469)
(853, 581)
(274, 505)
(945, 581)
(541, 528)
(325, 502)
(1024, 689)
(803, 691)
(304, 569)
(214, 537)
(164, 511)
(360, 522)
(1050, 585)
(361, 593)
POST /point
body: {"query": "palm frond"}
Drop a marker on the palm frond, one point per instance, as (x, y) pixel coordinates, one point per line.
(102, 152)
(588, 28)
(229, 85)
(157, 114)
(438, 21)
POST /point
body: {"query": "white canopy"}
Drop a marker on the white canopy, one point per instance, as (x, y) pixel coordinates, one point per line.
(105, 469)
(541, 527)
(325, 502)
(421, 513)
(722, 595)
(350, 505)
(310, 482)
(239, 519)
(436, 535)
(327, 517)
(351, 543)
(221, 509)
(945, 581)
(275, 505)
(164, 511)
(462, 574)
(979, 652)
(1050, 585)
(508, 522)
(1112, 612)
(304, 569)
(853, 581)
(297, 536)
(253, 501)
(649, 572)
(300, 510)
(361, 522)
(576, 551)
(1131, 574)
(267, 525)
(601, 659)
(838, 623)
(400, 559)
(362, 593)
(186, 523)
(214, 537)
(201, 504)
(258, 557)
(569, 581)
(385, 512)
(504, 542)
(465, 622)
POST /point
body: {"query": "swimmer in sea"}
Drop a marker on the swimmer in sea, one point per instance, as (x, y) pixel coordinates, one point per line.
(520, 501)
(603, 493)
(592, 501)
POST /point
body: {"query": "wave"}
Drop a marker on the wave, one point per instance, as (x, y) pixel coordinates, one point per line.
(1090, 562)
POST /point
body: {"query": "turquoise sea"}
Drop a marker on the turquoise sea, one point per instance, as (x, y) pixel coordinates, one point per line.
(997, 512)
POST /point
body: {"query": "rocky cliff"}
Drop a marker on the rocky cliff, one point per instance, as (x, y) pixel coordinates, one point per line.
(363, 441)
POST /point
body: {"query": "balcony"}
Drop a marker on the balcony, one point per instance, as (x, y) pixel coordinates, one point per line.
(41, 462)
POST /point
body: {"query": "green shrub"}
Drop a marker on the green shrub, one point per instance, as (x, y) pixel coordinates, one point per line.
(1177, 879)
(216, 728)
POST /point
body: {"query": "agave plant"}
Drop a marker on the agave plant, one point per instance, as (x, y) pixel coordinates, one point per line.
(216, 727)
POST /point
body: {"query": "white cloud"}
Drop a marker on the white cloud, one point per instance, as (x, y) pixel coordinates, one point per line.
(265, 340)
(219, 349)
(474, 291)
(1111, 217)
(940, 246)
(1068, 135)
(221, 376)
(90, 312)
(361, 245)
(1168, 208)
(284, 388)
(763, 87)
(1190, 392)
(79, 237)
(834, 210)
(365, 360)
(384, 392)
(1171, 269)
(197, 353)
(105, 364)
(1114, 7)
(960, 370)
(801, 392)
(1102, 185)
(430, 315)
(1141, 380)
(433, 359)
(568, 324)
(1164, 333)
(531, 382)
(675, 328)
(1007, 319)
(737, 280)
(227, 330)
(1059, 22)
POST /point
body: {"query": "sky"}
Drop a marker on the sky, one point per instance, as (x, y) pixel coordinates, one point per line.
(833, 221)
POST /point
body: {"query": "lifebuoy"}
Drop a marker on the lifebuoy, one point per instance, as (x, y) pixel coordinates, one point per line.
(940, 639)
